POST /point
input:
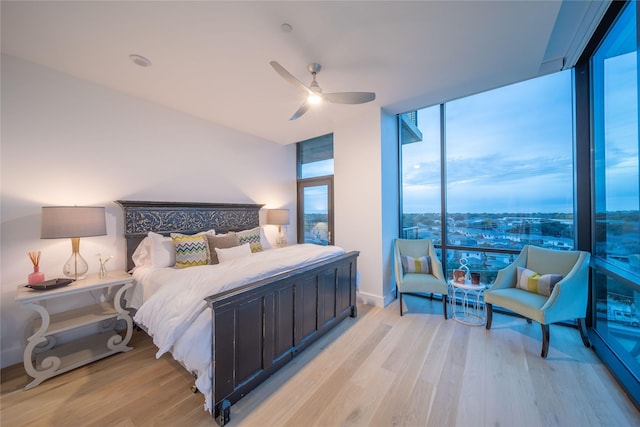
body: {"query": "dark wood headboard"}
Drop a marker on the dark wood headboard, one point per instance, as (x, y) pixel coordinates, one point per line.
(183, 217)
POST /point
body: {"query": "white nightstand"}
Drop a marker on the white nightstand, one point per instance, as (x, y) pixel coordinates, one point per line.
(44, 359)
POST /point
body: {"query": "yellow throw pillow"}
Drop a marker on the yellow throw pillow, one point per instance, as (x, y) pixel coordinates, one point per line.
(190, 250)
(416, 265)
(533, 282)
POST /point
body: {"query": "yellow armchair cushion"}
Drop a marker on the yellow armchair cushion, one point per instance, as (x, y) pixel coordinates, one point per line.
(527, 304)
(423, 283)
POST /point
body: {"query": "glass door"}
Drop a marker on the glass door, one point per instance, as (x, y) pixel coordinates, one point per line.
(315, 211)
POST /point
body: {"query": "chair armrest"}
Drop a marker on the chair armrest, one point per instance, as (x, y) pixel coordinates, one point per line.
(397, 265)
(436, 265)
(569, 297)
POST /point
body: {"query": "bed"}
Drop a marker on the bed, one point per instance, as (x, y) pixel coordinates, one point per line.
(235, 323)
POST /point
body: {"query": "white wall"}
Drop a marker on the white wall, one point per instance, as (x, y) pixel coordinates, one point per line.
(66, 141)
(389, 188)
(363, 161)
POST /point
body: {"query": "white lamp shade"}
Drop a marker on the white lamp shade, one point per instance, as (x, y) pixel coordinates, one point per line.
(278, 216)
(72, 221)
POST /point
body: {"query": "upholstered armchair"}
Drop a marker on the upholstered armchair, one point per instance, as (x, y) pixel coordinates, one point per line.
(418, 270)
(546, 286)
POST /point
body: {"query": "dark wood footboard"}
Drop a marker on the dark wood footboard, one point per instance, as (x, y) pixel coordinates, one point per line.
(260, 327)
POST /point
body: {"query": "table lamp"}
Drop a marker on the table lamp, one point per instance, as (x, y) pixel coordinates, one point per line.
(279, 217)
(73, 222)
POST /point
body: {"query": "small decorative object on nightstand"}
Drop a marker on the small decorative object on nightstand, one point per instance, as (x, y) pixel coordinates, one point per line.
(44, 357)
(37, 276)
(102, 271)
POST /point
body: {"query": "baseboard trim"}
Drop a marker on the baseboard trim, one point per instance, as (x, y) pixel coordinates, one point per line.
(370, 299)
(376, 300)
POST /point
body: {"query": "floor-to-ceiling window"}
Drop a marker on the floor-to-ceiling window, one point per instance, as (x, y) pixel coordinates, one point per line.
(491, 173)
(421, 171)
(613, 70)
(315, 190)
(552, 161)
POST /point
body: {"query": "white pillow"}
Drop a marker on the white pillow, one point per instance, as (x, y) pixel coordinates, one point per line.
(142, 255)
(231, 253)
(163, 251)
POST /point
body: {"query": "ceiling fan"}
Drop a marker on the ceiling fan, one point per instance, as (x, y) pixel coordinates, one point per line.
(314, 92)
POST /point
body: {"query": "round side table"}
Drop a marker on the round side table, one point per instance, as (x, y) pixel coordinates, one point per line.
(467, 303)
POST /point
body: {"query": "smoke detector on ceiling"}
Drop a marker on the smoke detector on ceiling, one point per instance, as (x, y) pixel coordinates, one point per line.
(286, 28)
(140, 60)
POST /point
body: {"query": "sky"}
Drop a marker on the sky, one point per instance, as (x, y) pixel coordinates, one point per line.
(511, 149)
(621, 129)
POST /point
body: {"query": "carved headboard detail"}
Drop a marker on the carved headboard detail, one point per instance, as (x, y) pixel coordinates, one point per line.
(183, 217)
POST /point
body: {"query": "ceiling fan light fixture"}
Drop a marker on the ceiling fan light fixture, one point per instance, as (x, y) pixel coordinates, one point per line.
(315, 94)
(314, 98)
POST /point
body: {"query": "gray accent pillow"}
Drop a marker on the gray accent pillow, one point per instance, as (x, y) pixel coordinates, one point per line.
(221, 241)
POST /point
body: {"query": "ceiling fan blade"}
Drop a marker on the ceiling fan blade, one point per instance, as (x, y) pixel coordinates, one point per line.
(303, 109)
(288, 76)
(349, 97)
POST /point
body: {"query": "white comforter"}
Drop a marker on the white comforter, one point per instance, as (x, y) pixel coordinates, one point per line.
(172, 307)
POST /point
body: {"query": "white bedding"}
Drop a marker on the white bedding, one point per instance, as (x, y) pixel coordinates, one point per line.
(171, 304)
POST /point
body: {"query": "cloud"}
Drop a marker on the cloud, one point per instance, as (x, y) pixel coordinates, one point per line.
(507, 150)
(511, 149)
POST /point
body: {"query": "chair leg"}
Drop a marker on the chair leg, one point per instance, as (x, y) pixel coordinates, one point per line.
(400, 303)
(444, 305)
(583, 332)
(545, 340)
(489, 308)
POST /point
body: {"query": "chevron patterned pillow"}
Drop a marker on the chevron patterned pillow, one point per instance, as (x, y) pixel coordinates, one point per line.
(190, 250)
(252, 237)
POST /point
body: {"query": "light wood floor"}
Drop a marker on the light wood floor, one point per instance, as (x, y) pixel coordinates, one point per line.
(377, 370)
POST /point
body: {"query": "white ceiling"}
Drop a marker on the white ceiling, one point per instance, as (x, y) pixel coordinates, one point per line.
(210, 59)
